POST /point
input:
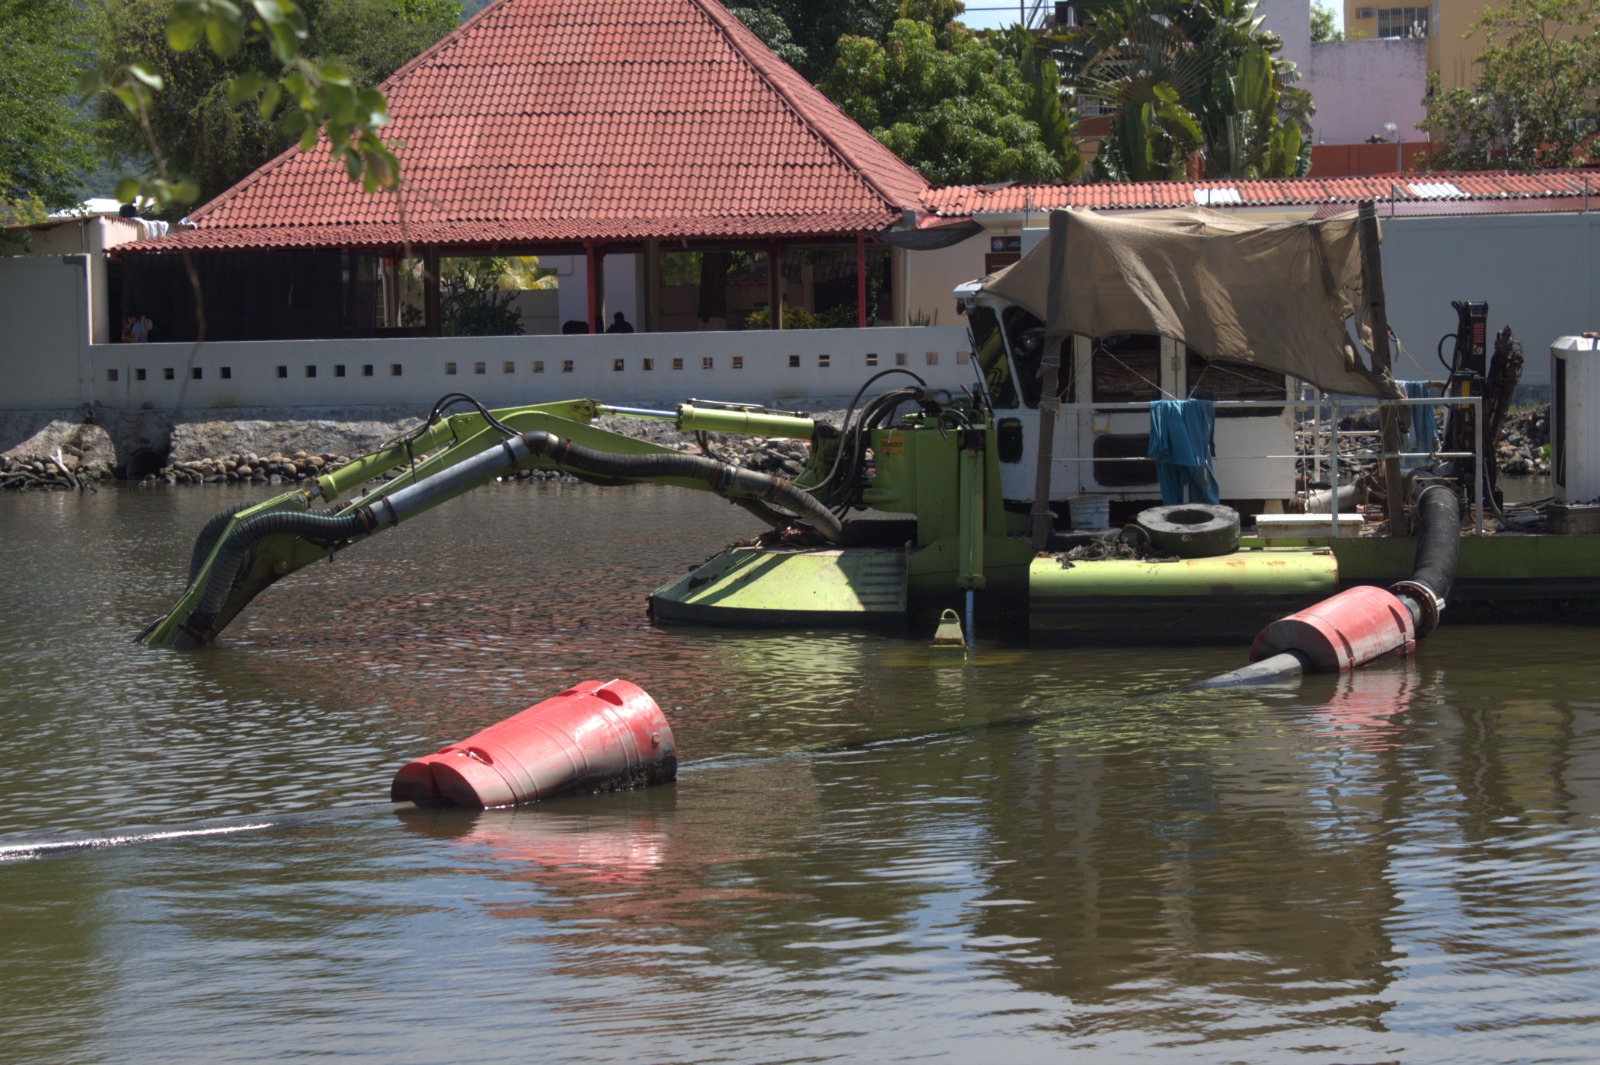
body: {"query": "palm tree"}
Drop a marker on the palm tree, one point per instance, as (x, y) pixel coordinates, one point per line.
(1182, 79)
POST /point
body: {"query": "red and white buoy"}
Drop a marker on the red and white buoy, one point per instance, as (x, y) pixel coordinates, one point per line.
(593, 737)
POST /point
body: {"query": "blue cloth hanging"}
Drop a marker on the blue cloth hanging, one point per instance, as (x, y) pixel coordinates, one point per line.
(1421, 426)
(1181, 445)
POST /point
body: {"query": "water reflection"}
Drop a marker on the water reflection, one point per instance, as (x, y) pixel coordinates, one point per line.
(870, 855)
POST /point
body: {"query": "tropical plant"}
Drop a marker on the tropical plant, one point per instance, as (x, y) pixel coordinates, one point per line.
(476, 295)
(1182, 80)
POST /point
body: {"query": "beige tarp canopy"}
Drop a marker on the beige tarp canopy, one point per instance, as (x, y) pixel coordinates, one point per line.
(1276, 295)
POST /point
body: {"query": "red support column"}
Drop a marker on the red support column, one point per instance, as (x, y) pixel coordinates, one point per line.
(861, 280)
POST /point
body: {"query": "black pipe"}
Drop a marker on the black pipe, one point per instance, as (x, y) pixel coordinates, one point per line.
(720, 477)
(249, 532)
(1433, 572)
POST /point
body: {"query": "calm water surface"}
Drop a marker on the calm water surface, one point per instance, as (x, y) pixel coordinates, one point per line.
(869, 855)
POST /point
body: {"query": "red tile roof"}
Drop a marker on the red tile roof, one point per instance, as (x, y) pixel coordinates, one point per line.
(1443, 193)
(543, 121)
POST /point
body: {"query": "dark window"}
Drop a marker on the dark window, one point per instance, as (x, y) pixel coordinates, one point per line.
(227, 373)
(1123, 446)
(283, 371)
(1126, 368)
(138, 375)
(195, 373)
(311, 371)
(1403, 21)
(1226, 379)
(366, 369)
(338, 369)
(170, 374)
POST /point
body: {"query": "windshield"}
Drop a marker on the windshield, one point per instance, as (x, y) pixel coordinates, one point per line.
(990, 352)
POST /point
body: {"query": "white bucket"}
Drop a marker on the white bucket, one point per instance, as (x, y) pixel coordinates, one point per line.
(1090, 512)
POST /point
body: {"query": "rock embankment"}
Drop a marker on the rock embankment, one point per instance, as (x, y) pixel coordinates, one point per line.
(784, 458)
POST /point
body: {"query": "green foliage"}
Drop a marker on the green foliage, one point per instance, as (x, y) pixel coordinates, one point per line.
(46, 146)
(1322, 27)
(806, 34)
(475, 297)
(1535, 100)
(841, 317)
(956, 111)
(1188, 79)
(299, 67)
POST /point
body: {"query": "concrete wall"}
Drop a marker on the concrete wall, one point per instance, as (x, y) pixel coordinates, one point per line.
(1539, 273)
(1358, 86)
(91, 236)
(44, 348)
(806, 367)
(936, 274)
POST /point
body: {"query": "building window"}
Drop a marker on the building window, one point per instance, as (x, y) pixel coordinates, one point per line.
(311, 371)
(111, 375)
(338, 370)
(963, 357)
(480, 367)
(677, 364)
(138, 375)
(566, 365)
(195, 373)
(283, 372)
(508, 366)
(705, 362)
(794, 362)
(1403, 21)
(872, 358)
(647, 364)
(366, 369)
(933, 358)
(738, 362)
(227, 373)
(449, 369)
(617, 365)
(1363, 12)
(395, 369)
(899, 358)
(822, 362)
(169, 374)
(538, 366)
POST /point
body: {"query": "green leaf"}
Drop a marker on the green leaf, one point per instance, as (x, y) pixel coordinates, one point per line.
(332, 73)
(246, 86)
(186, 192)
(127, 190)
(184, 30)
(269, 99)
(147, 74)
(308, 137)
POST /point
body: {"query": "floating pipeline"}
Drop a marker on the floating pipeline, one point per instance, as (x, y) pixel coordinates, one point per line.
(591, 737)
(1348, 630)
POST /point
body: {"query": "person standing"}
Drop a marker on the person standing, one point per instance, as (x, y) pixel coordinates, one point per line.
(619, 324)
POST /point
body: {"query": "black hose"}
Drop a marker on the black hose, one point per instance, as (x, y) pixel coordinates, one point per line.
(720, 477)
(238, 543)
(1438, 539)
(1438, 546)
(208, 537)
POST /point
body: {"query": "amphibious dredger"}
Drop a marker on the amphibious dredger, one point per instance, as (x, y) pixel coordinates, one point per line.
(1029, 501)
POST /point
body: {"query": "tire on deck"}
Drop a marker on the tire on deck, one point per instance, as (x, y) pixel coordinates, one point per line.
(1192, 530)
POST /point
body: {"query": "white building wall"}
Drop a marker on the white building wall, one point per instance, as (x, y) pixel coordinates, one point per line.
(1358, 86)
(933, 276)
(44, 346)
(806, 367)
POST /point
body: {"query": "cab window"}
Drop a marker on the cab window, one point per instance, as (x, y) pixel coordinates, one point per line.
(990, 352)
(1026, 333)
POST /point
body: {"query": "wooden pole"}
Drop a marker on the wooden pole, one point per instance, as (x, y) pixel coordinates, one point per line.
(775, 285)
(1394, 507)
(431, 324)
(1050, 375)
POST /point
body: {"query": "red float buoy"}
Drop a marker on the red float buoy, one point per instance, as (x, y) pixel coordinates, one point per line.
(1342, 632)
(592, 736)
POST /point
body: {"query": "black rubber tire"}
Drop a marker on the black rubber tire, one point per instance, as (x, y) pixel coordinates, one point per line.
(1192, 530)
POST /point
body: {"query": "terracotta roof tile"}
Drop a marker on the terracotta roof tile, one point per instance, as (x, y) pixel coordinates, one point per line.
(1443, 193)
(561, 120)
